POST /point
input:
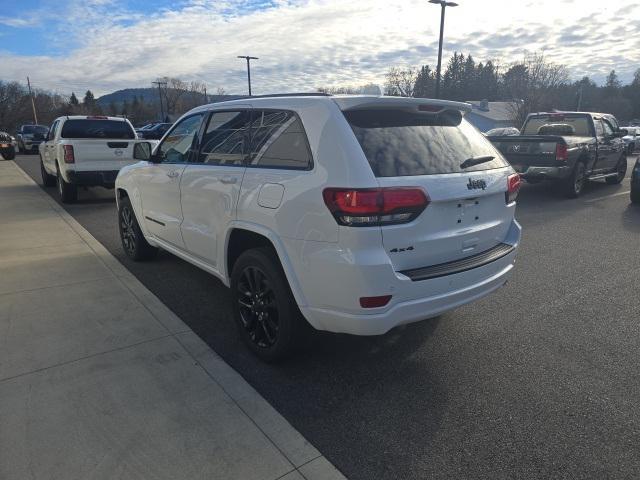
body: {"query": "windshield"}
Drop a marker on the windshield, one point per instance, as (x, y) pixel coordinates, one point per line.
(30, 129)
(97, 129)
(398, 143)
(558, 125)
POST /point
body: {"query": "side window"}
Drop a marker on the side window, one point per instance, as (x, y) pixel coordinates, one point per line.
(178, 146)
(608, 131)
(52, 131)
(278, 141)
(599, 128)
(223, 141)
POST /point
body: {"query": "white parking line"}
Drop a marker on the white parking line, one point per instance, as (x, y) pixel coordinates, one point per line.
(591, 200)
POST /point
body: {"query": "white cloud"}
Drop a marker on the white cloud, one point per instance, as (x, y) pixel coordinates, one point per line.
(305, 44)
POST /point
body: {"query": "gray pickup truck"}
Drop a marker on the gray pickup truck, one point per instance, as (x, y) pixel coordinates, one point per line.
(568, 148)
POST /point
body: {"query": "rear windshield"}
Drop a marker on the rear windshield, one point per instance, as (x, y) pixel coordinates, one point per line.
(399, 143)
(34, 129)
(97, 129)
(558, 125)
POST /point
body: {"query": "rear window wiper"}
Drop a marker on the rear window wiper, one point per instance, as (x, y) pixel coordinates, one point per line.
(470, 162)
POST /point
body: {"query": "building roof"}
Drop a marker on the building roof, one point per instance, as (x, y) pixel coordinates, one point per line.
(496, 111)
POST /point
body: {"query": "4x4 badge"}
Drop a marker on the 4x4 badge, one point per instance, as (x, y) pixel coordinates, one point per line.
(475, 184)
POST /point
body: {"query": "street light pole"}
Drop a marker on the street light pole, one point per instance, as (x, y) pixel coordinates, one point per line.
(443, 4)
(248, 59)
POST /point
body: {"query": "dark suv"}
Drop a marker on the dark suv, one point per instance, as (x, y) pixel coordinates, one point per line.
(154, 133)
(29, 137)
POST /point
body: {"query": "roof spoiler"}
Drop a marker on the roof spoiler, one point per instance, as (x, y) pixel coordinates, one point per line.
(421, 105)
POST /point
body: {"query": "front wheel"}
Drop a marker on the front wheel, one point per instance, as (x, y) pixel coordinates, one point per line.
(133, 242)
(575, 183)
(621, 172)
(48, 180)
(265, 310)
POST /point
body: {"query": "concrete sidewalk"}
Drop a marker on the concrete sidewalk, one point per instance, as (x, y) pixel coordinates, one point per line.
(99, 380)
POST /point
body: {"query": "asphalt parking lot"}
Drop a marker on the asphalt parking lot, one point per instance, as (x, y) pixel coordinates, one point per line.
(539, 380)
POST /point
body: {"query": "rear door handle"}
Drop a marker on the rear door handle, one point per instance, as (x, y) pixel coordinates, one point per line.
(173, 174)
(228, 180)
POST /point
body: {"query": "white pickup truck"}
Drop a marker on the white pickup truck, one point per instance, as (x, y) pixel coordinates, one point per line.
(85, 151)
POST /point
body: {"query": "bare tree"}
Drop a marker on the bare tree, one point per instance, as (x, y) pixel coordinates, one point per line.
(401, 81)
(533, 84)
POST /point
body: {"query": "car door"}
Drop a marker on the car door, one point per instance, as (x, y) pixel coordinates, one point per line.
(211, 186)
(614, 145)
(48, 148)
(159, 180)
(604, 148)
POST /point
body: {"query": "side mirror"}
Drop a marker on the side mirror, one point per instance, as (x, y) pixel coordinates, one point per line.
(142, 151)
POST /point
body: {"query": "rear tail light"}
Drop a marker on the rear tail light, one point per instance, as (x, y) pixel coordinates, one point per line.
(562, 154)
(513, 187)
(374, 302)
(68, 154)
(368, 207)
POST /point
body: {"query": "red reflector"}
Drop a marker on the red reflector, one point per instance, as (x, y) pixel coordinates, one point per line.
(430, 108)
(68, 154)
(513, 187)
(562, 153)
(375, 206)
(374, 302)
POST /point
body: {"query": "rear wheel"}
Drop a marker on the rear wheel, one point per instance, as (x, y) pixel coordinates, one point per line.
(621, 169)
(9, 153)
(48, 180)
(133, 242)
(265, 310)
(574, 185)
(67, 191)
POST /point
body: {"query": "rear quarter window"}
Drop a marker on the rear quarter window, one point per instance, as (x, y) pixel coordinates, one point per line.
(398, 143)
(97, 129)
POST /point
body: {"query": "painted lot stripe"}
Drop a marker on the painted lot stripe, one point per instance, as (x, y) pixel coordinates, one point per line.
(591, 200)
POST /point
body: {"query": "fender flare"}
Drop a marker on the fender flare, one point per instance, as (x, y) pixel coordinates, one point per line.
(280, 251)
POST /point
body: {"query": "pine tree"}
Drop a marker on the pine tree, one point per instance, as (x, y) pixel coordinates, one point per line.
(425, 83)
(73, 100)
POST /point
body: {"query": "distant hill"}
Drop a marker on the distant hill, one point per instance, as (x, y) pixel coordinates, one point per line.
(149, 95)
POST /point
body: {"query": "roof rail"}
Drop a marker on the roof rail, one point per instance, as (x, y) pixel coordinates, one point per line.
(295, 94)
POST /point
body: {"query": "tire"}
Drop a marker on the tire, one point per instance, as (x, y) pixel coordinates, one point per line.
(265, 311)
(574, 185)
(67, 191)
(9, 154)
(621, 168)
(133, 242)
(48, 180)
(635, 195)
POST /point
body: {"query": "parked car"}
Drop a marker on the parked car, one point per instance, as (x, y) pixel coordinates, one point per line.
(504, 131)
(356, 213)
(85, 151)
(568, 149)
(7, 149)
(155, 132)
(635, 182)
(145, 127)
(29, 137)
(632, 138)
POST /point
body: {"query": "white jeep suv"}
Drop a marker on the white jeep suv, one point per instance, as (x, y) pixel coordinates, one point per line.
(356, 213)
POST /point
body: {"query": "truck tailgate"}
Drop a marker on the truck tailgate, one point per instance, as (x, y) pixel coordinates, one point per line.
(102, 154)
(523, 151)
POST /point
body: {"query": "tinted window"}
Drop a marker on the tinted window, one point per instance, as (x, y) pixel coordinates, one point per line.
(97, 129)
(608, 131)
(223, 141)
(278, 141)
(599, 128)
(177, 146)
(399, 143)
(31, 129)
(581, 127)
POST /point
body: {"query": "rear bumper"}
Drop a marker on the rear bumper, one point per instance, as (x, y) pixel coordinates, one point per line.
(101, 178)
(542, 173)
(412, 301)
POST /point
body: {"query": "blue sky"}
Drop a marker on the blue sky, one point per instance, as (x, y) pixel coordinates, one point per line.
(103, 45)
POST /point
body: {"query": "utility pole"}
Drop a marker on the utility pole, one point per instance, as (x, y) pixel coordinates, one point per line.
(443, 4)
(206, 99)
(159, 83)
(33, 103)
(579, 99)
(248, 59)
